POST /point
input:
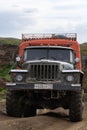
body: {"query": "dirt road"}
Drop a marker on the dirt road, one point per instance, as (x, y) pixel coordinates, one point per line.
(52, 120)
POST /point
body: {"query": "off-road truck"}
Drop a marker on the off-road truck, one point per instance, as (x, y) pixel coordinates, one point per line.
(48, 75)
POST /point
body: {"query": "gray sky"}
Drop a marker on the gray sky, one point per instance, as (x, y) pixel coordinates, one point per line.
(43, 16)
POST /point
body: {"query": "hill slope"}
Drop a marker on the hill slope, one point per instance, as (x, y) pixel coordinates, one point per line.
(84, 48)
(11, 41)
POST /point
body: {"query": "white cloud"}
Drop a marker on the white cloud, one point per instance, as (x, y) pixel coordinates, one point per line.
(18, 17)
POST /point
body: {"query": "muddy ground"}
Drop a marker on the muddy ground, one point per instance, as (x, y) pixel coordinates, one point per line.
(51, 120)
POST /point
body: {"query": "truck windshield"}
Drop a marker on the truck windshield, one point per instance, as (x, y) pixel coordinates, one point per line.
(60, 54)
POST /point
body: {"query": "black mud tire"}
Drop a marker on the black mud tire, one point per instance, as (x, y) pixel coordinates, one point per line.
(15, 105)
(29, 111)
(76, 107)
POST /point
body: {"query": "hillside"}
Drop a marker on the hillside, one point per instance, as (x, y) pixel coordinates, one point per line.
(84, 48)
(8, 46)
(11, 41)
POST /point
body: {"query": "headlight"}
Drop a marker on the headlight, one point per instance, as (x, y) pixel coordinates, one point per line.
(19, 78)
(70, 78)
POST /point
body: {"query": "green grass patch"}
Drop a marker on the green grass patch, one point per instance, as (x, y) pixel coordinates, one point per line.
(2, 93)
(12, 41)
(83, 48)
(4, 71)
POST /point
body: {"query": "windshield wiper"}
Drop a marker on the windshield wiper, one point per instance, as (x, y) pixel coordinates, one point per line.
(42, 58)
(53, 58)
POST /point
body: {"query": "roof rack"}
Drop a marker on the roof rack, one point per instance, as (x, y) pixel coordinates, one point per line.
(70, 36)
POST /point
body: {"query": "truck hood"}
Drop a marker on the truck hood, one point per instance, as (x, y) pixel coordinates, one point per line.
(63, 65)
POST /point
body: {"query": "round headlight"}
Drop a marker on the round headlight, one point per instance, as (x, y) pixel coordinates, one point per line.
(69, 78)
(19, 78)
(18, 58)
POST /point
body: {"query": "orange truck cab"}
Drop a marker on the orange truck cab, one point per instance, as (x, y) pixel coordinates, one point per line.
(65, 40)
(50, 76)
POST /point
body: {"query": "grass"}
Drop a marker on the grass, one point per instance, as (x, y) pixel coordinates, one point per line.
(2, 93)
(4, 71)
(84, 48)
(84, 53)
(12, 41)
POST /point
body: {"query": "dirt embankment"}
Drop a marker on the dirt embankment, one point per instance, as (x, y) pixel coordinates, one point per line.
(6, 53)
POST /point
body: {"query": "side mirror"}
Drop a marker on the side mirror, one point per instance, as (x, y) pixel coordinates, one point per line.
(18, 58)
(77, 60)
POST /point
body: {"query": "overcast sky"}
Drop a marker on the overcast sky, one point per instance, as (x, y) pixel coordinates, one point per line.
(43, 16)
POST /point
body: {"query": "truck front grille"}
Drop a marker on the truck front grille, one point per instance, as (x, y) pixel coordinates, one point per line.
(44, 72)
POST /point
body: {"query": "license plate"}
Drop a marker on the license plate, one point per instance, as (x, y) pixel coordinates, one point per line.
(43, 86)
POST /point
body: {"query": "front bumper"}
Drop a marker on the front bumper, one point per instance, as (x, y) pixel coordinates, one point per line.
(43, 86)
